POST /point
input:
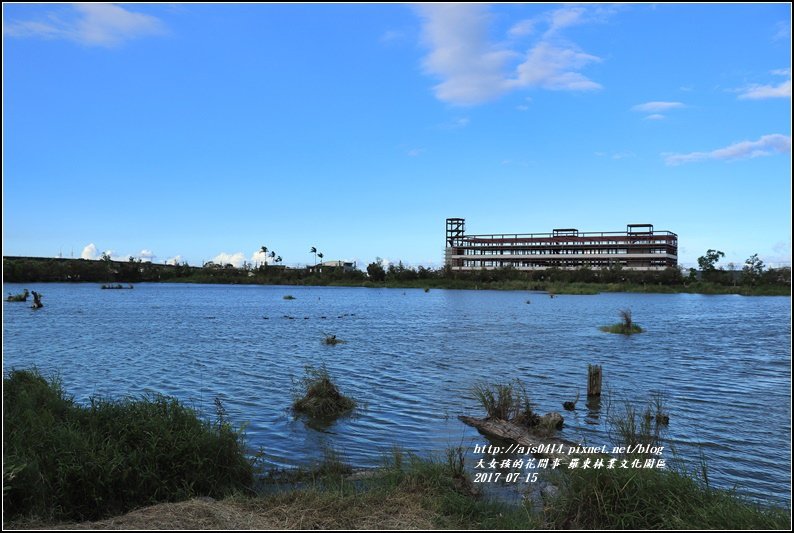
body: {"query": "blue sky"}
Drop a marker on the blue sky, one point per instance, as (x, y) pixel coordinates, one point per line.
(202, 132)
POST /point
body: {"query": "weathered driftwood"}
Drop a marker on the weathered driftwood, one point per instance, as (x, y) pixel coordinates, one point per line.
(593, 380)
(37, 300)
(523, 436)
(21, 297)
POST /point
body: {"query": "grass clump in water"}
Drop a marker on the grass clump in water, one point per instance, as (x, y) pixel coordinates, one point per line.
(321, 398)
(332, 340)
(63, 460)
(508, 401)
(626, 326)
(631, 429)
(288, 297)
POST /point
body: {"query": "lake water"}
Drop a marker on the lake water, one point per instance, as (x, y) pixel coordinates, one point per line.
(411, 359)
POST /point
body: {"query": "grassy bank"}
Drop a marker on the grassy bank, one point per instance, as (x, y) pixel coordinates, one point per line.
(411, 493)
(652, 499)
(62, 460)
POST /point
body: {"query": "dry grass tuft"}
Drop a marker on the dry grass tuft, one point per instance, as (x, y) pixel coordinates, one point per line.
(293, 510)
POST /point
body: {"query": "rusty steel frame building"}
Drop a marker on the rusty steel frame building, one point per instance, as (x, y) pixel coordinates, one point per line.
(637, 248)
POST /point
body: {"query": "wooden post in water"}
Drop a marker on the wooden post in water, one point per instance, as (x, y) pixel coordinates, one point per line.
(593, 380)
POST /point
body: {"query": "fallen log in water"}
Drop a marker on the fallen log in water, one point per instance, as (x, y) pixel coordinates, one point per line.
(539, 445)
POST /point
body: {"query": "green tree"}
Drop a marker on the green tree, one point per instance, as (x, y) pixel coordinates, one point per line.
(708, 264)
(752, 270)
(375, 271)
(314, 251)
(263, 250)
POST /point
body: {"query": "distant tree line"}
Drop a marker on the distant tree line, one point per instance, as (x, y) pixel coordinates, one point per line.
(753, 273)
(36, 269)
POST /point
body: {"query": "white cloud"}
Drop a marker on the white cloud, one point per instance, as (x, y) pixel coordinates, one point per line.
(392, 37)
(147, 255)
(473, 69)
(765, 146)
(655, 116)
(757, 91)
(90, 24)
(762, 92)
(781, 255)
(223, 258)
(552, 67)
(622, 155)
(782, 31)
(90, 252)
(456, 124)
(657, 107)
(177, 259)
(522, 28)
(617, 156)
(782, 248)
(565, 17)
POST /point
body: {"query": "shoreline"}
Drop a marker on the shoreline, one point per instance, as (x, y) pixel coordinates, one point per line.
(554, 288)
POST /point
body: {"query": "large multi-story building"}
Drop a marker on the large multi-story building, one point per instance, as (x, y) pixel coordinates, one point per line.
(637, 248)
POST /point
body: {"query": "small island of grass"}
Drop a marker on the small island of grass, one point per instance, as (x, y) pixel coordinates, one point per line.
(321, 398)
(625, 327)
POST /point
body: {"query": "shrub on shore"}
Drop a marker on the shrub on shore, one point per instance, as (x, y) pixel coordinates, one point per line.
(67, 461)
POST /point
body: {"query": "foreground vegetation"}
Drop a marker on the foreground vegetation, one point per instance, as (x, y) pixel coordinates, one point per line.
(67, 463)
(756, 280)
(62, 460)
(652, 499)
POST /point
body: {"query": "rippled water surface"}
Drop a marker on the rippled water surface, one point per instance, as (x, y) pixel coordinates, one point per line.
(411, 358)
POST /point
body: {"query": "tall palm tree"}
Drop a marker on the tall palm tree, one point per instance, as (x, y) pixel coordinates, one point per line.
(278, 259)
(264, 251)
(320, 255)
(314, 251)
